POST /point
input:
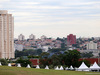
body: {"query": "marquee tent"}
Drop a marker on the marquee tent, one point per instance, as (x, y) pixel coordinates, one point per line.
(46, 67)
(71, 67)
(0, 64)
(83, 67)
(18, 65)
(61, 68)
(9, 64)
(66, 68)
(95, 67)
(37, 67)
(28, 66)
(57, 68)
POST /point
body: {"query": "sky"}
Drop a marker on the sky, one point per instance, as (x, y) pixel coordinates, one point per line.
(54, 18)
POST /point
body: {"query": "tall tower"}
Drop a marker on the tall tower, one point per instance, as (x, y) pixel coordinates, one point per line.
(71, 39)
(6, 35)
(32, 37)
(21, 37)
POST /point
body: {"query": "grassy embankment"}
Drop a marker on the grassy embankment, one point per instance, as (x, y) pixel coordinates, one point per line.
(5, 70)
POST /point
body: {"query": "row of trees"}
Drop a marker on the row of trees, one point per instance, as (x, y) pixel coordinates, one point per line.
(70, 57)
(27, 52)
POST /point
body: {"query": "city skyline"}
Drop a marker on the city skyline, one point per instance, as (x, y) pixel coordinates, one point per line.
(54, 18)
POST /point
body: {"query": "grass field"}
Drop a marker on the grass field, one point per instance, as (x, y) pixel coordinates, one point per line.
(5, 70)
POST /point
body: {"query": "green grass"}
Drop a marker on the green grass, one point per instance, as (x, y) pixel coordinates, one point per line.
(5, 70)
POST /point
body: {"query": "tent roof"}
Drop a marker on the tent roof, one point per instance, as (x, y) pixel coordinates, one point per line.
(83, 66)
(37, 66)
(57, 68)
(46, 67)
(95, 65)
(61, 68)
(71, 67)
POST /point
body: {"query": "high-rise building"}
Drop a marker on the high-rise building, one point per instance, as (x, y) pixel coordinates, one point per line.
(91, 45)
(6, 35)
(32, 37)
(21, 37)
(43, 37)
(71, 39)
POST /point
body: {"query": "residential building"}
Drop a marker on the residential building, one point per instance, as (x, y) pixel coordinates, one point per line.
(43, 37)
(32, 37)
(21, 37)
(91, 45)
(6, 35)
(19, 47)
(71, 39)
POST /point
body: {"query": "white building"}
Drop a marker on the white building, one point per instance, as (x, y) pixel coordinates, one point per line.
(21, 37)
(32, 37)
(6, 35)
(46, 48)
(91, 45)
(43, 37)
(19, 47)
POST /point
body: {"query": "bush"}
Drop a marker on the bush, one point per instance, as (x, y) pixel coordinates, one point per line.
(23, 63)
(4, 61)
(51, 66)
(42, 66)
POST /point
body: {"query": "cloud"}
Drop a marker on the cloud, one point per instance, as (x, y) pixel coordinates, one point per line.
(41, 7)
(50, 17)
(4, 1)
(30, 3)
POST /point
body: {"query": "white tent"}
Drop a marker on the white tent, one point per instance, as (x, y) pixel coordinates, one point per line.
(95, 66)
(28, 66)
(71, 67)
(66, 68)
(37, 67)
(61, 68)
(0, 64)
(18, 65)
(57, 68)
(46, 67)
(9, 64)
(83, 67)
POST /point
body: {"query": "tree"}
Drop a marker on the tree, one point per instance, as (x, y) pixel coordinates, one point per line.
(55, 60)
(39, 51)
(23, 62)
(87, 55)
(71, 57)
(44, 55)
(4, 61)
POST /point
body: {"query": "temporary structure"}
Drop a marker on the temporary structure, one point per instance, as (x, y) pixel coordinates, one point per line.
(57, 68)
(28, 66)
(37, 67)
(9, 64)
(71, 67)
(66, 68)
(18, 65)
(0, 64)
(83, 67)
(46, 67)
(95, 67)
(61, 68)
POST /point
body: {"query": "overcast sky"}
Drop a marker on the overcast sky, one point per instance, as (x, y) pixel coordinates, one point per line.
(54, 18)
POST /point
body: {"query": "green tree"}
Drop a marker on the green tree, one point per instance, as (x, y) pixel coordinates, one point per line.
(23, 62)
(39, 51)
(44, 55)
(4, 61)
(71, 57)
(87, 55)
